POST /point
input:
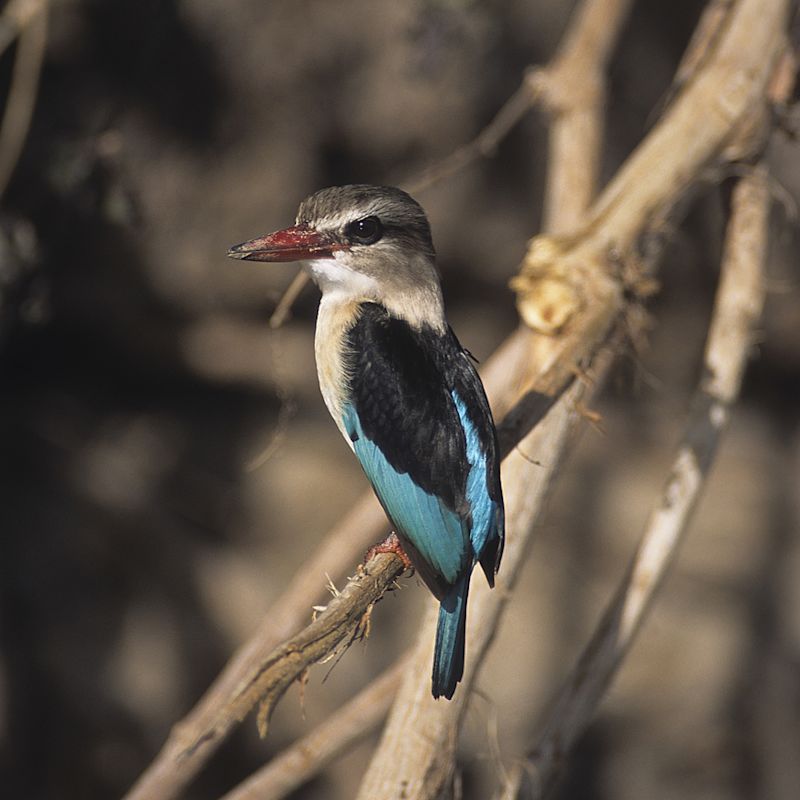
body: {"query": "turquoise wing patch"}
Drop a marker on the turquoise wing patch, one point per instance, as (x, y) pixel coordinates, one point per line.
(439, 534)
(482, 507)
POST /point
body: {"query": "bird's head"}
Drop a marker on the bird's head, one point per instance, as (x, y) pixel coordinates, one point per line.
(361, 242)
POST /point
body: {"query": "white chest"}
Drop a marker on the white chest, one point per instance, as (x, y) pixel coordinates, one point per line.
(334, 318)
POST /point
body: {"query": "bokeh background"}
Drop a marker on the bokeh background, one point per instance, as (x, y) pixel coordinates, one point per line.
(144, 536)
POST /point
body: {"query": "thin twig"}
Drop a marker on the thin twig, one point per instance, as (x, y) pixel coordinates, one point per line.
(738, 306)
(485, 144)
(284, 307)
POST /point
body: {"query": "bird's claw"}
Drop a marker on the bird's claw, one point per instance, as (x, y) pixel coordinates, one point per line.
(391, 544)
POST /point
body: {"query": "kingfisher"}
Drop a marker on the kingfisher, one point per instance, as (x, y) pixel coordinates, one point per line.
(402, 390)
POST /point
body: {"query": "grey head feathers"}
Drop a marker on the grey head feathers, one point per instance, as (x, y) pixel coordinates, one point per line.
(384, 251)
(402, 219)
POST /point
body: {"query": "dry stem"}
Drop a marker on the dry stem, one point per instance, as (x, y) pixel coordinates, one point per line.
(738, 305)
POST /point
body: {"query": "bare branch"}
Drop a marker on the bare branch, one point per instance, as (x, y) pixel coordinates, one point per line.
(574, 90)
(284, 307)
(738, 305)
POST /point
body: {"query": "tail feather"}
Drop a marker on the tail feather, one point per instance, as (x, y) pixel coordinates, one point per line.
(448, 654)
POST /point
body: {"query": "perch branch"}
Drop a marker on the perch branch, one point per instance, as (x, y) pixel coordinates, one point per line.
(192, 741)
(341, 618)
(738, 305)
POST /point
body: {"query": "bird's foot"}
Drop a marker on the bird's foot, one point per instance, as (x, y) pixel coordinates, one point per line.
(391, 544)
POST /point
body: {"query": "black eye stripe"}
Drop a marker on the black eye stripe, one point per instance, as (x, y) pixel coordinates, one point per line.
(364, 231)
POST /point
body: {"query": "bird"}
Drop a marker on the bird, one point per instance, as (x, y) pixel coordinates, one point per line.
(402, 390)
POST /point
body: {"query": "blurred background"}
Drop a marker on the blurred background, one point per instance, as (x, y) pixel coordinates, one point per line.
(167, 462)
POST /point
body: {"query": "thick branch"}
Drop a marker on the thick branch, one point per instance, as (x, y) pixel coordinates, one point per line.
(574, 91)
(739, 301)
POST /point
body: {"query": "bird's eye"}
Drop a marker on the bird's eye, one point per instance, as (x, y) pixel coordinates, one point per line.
(365, 231)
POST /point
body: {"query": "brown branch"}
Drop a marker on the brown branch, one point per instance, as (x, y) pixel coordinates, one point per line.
(738, 306)
(484, 144)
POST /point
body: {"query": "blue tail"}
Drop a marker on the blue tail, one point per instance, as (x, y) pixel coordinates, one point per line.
(448, 654)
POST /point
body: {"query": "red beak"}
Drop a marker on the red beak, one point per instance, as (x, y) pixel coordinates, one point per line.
(298, 243)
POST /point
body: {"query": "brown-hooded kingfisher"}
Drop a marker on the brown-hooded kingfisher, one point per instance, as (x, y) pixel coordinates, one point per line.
(402, 390)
